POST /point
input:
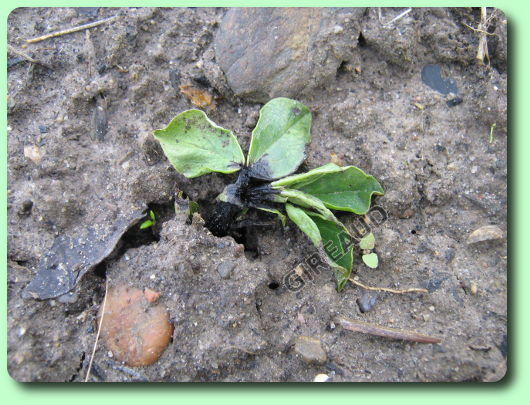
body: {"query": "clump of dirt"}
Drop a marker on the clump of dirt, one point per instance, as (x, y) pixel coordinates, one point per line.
(81, 156)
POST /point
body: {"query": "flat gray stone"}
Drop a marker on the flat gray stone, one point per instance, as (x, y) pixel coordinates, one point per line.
(310, 350)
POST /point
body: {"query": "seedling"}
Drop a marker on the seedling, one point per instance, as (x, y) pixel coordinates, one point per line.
(366, 244)
(196, 146)
(148, 223)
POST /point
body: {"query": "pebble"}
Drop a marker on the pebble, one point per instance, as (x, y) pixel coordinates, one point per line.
(367, 301)
(488, 232)
(43, 129)
(321, 378)
(135, 331)
(473, 289)
(225, 269)
(310, 350)
(33, 153)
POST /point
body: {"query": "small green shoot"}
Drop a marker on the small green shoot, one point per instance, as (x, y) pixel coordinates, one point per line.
(492, 127)
(148, 223)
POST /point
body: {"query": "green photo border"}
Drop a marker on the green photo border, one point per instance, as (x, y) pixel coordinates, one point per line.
(512, 389)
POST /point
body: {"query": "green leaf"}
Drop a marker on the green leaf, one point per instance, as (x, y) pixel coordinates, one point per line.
(367, 242)
(337, 243)
(279, 139)
(195, 145)
(282, 217)
(152, 215)
(341, 188)
(371, 260)
(305, 223)
(146, 224)
(303, 179)
(307, 201)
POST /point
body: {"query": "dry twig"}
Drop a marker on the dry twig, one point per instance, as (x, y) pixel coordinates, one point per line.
(71, 30)
(400, 16)
(390, 290)
(482, 30)
(98, 332)
(24, 55)
(391, 333)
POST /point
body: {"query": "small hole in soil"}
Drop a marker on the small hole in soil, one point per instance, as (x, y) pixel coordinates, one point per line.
(413, 232)
(273, 285)
(361, 40)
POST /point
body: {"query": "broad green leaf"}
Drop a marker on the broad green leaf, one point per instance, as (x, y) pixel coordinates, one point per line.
(371, 260)
(282, 217)
(195, 145)
(338, 246)
(305, 200)
(367, 242)
(279, 139)
(339, 188)
(304, 222)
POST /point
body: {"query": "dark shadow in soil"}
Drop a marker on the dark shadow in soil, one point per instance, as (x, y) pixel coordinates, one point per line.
(136, 237)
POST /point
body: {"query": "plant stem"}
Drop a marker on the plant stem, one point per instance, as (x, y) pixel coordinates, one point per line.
(391, 333)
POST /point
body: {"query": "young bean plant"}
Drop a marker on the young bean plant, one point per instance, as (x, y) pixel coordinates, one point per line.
(196, 146)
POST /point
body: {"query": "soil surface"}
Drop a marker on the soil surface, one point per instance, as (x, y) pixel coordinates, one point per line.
(83, 162)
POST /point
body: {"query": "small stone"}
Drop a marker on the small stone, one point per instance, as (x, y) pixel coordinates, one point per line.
(101, 68)
(310, 349)
(367, 301)
(431, 308)
(225, 269)
(43, 129)
(321, 378)
(135, 331)
(33, 153)
(473, 289)
(488, 232)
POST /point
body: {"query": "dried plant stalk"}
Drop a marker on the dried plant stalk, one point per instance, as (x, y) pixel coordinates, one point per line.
(391, 333)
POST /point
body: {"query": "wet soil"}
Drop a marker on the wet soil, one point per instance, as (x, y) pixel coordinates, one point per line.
(81, 156)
